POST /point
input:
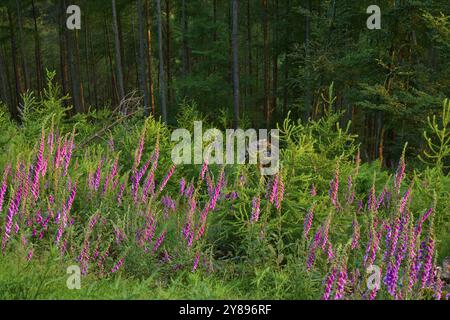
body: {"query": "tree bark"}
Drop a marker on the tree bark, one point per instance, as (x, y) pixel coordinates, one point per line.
(185, 56)
(118, 53)
(162, 86)
(142, 56)
(150, 55)
(168, 53)
(235, 45)
(37, 52)
(22, 47)
(266, 62)
(17, 75)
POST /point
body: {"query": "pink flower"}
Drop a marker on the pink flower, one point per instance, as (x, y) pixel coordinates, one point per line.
(197, 259)
(307, 223)
(166, 179)
(255, 209)
(117, 265)
(159, 241)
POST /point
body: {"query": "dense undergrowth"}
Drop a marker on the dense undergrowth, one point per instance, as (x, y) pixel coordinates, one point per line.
(99, 190)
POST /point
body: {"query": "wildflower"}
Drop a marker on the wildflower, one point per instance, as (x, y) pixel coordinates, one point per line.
(138, 152)
(255, 209)
(30, 254)
(330, 253)
(308, 222)
(96, 182)
(329, 284)
(4, 186)
(203, 171)
(117, 265)
(166, 179)
(342, 280)
(197, 259)
(13, 209)
(400, 173)
(182, 185)
(313, 191)
(280, 193)
(120, 194)
(217, 190)
(159, 241)
(68, 154)
(274, 187)
(428, 261)
(334, 188)
(373, 294)
(356, 233)
(404, 200)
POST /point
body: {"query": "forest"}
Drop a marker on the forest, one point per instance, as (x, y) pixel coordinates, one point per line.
(91, 91)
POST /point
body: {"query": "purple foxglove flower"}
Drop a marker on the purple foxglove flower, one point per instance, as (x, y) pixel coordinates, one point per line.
(405, 200)
(342, 280)
(428, 262)
(373, 294)
(159, 241)
(274, 191)
(197, 259)
(307, 223)
(334, 189)
(360, 207)
(280, 193)
(330, 253)
(182, 185)
(96, 182)
(255, 209)
(166, 179)
(68, 154)
(12, 211)
(30, 254)
(325, 233)
(313, 191)
(120, 194)
(381, 199)
(4, 186)
(356, 234)
(329, 284)
(117, 266)
(138, 153)
(217, 190)
(203, 171)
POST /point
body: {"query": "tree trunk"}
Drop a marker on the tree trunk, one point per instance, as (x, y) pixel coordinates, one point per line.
(78, 70)
(162, 86)
(266, 62)
(3, 87)
(93, 66)
(73, 75)
(308, 97)
(37, 52)
(118, 53)
(150, 56)
(22, 47)
(185, 56)
(62, 52)
(275, 58)
(234, 41)
(114, 90)
(249, 45)
(168, 53)
(142, 56)
(17, 75)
